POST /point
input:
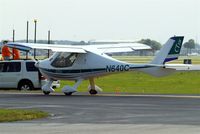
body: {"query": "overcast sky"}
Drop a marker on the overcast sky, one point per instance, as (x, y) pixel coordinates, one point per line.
(101, 19)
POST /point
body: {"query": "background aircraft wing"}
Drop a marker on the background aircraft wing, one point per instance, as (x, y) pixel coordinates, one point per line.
(121, 47)
(53, 47)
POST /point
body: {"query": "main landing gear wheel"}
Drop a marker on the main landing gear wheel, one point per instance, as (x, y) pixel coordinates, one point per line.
(46, 92)
(93, 92)
(68, 94)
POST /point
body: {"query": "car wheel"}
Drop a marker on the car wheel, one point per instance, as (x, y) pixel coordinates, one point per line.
(25, 85)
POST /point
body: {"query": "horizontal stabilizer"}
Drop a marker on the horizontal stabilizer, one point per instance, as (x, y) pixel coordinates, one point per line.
(158, 71)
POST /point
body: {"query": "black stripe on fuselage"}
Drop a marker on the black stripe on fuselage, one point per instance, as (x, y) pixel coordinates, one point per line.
(74, 71)
(145, 66)
(87, 70)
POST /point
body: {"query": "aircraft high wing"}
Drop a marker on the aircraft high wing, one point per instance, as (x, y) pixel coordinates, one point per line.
(107, 48)
(86, 62)
(53, 47)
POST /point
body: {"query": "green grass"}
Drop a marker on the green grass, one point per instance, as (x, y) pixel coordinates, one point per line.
(137, 82)
(141, 83)
(146, 59)
(9, 115)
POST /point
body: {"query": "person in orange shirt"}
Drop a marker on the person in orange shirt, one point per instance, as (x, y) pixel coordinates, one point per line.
(6, 53)
(16, 54)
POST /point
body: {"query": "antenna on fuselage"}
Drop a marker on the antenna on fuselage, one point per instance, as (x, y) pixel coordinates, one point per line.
(49, 41)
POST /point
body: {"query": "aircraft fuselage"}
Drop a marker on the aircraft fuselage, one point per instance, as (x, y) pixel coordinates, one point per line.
(84, 66)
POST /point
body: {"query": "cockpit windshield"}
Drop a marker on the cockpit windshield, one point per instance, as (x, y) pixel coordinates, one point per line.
(64, 59)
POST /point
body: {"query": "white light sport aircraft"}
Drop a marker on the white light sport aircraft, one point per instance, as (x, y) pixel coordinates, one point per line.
(86, 62)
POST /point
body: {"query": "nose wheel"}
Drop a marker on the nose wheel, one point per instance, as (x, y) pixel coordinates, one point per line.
(47, 89)
(46, 92)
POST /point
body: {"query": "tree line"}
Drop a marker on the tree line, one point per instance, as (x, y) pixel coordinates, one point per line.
(188, 45)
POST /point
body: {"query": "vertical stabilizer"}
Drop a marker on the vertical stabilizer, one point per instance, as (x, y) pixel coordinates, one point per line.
(170, 50)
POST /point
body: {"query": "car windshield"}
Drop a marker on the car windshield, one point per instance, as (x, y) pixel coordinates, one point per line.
(64, 59)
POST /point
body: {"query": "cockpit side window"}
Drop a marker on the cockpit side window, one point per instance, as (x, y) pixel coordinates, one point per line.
(64, 60)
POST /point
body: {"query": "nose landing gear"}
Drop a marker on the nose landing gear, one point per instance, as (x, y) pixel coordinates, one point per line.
(47, 89)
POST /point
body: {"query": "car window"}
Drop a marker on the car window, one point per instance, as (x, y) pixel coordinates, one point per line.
(1, 67)
(30, 66)
(10, 67)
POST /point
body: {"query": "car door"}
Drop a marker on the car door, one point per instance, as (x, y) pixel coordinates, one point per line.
(1, 73)
(33, 74)
(11, 74)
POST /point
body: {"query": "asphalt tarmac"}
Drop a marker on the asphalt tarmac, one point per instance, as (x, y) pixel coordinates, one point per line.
(105, 113)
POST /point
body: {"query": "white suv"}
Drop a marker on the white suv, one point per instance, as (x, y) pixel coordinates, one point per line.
(20, 74)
